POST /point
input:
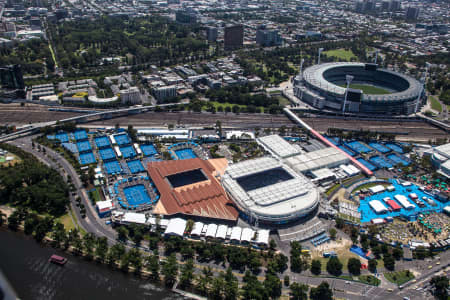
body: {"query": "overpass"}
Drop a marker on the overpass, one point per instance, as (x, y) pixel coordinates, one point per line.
(36, 127)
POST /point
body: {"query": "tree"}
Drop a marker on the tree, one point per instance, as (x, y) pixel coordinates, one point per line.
(389, 262)
(316, 267)
(135, 259)
(253, 289)
(204, 281)
(115, 253)
(170, 270)
(299, 291)
(373, 265)
(322, 292)
(30, 223)
(286, 280)
(13, 221)
(334, 266)
(88, 244)
(354, 235)
(440, 286)
(332, 232)
(397, 253)
(102, 248)
(354, 266)
(153, 266)
(339, 223)
(122, 233)
(272, 285)
(187, 274)
(231, 290)
(2, 218)
(59, 234)
(217, 288)
(296, 264)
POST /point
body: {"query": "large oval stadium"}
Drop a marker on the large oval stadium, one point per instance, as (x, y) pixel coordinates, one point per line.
(372, 90)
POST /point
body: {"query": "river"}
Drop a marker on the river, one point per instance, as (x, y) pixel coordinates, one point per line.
(25, 264)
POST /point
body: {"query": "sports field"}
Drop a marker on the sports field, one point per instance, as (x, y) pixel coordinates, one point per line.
(368, 89)
(343, 54)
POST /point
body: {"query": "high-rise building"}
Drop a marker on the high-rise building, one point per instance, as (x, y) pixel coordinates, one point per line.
(165, 92)
(11, 77)
(185, 17)
(412, 13)
(211, 34)
(385, 5)
(265, 37)
(395, 5)
(234, 37)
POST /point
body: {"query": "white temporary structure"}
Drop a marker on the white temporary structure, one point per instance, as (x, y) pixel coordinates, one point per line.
(377, 206)
(404, 202)
(197, 229)
(376, 189)
(221, 232)
(262, 237)
(236, 234)
(211, 231)
(175, 227)
(247, 235)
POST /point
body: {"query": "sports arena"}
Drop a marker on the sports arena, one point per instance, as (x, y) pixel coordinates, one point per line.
(372, 90)
(270, 192)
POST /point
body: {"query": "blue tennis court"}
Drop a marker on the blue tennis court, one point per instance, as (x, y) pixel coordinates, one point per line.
(379, 147)
(80, 135)
(84, 146)
(137, 195)
(186, 153)
(62, 137)
(334, 140)
(135, 166)
(358, 147)
(380, 162)
(107, 154)
(127, 151)
(367, 214)
(87, 158)
(122, 139)
(102, 142)
(112, 167)
(395, 148)
(398, 160)
(367, 164)
(150, 159)
(346, 150)
(148, 150)
(71, 147)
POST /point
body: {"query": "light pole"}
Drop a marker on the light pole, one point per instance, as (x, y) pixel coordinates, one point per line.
(301, 67)
(349, 79)
(318, 58)
(376, 55)
(427, 66)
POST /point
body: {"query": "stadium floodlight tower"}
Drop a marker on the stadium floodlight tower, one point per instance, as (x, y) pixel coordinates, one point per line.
(376, 55)
(349, 79)
(427, 66)
(318, 57)
(301, 67)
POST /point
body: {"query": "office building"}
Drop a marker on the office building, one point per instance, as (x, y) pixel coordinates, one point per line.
(165, 92)
(11, 77)
(211, 34)
(234, 37)
(412, 13)
(266, 38)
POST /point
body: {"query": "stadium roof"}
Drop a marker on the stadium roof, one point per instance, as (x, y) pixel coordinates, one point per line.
(443, 150)
(276, 201)
(278, 146)
(327, 157)
(175, 227)
(204, 199)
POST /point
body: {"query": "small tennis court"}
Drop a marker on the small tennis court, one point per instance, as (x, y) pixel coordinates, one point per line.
(84, 146)
(102, 142)
(87, 158)
(62, 137)
(137, 195)
(379, 147)
(80, 135)
(398, 160)
(148, 150)
(186, 153)
(135, 166)
(70, 146)
(380, 162)
(346, 150)
(395, 148)
(122, 139)
(127, 151)
(367, 164)
(358, 147)
(112, 167)
(107, 154)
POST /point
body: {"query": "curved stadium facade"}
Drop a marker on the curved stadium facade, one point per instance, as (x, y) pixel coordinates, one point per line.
(321, 86)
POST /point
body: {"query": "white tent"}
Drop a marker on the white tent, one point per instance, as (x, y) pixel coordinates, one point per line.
(376, 189)
(131, 217)
(236, 234)
(247, 235)
(211, 231)
(197, 229)
(175, 227)
(377, 206)
(221, 232)
(404, 202)
(262, 237)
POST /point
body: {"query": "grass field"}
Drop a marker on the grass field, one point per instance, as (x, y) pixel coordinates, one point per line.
(368, 89)
(369, 279)
(343, 54)
(66, 220)
(399, 277)
(5, 163)
(435, 104)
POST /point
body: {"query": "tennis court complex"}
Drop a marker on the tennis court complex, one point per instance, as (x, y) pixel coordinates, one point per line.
(148, 150)
(80, 135)
(380, 162)
(398, 160)
(87, 158)
(122, 139)
(107, 154)
(135, 166)
(127, 151)
(112, 167)
(102, 142)
(186, 153)
(136, 195)
(358, 147)
(379, 147)
(84, 146)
